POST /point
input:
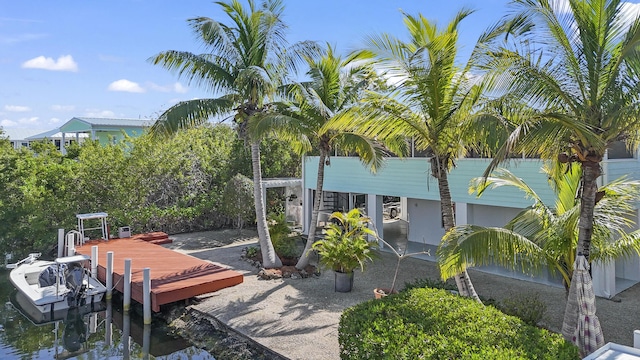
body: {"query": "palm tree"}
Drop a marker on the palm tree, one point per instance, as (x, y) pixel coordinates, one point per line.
(335, 85)
(432, 103)
(577, 62)
(247, 60)
(541, 236)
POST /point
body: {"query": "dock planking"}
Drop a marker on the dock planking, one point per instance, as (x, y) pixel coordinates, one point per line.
(174, 276)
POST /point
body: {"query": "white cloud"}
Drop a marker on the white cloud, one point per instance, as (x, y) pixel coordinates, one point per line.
(54, 120)
(63, 107)
(99, 113)
(64, 63)
(15, 39)
(126, 86)
(16, 108)
(179, 88)
(629, 12)
(7, 123)
(175, 87)
(28, 121)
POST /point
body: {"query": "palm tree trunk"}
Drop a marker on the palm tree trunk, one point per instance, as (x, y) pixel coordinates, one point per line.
(304, 258)
(590, 173)
(269, 258)
(439, 171)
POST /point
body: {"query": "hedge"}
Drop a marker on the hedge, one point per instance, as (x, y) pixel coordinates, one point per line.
(425, 323)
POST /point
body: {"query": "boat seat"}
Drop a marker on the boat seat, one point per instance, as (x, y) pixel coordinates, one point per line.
(47, 277)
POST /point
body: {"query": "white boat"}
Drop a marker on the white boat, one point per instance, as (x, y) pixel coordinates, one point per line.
(53, 286)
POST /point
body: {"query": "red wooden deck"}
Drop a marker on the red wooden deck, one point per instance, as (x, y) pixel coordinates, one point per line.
(174, 276)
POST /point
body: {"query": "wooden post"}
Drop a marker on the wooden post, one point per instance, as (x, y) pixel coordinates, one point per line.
(146, 296)
(60, 243)
(109, 279)
(126, 301)
(94, 261)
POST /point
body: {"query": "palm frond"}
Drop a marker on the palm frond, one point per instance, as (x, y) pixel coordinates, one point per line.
(191, 113)
(471, 245)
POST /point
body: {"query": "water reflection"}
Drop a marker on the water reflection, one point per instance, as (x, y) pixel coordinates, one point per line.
(74, 335)
(77, 334)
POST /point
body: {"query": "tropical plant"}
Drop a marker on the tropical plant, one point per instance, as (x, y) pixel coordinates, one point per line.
(541, 236)
(335, 85)
(248, 59)
(284, 241)
(237, 199)
(174, 186)
(432, 103)
(345, 246)
(577, 62)
(424, 323)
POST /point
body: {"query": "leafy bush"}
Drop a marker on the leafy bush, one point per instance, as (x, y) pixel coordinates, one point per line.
(283, 243)
(448, 285)
(174, 185)
(424, 323)
(430, 283)
(252, 252)
(526, 306)
(345, 246)
(238, 202)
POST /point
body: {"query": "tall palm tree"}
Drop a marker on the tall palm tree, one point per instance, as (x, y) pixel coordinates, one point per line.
(577, 62)
(542, 236)
(432, 103)
(335, 85)
(247, 60)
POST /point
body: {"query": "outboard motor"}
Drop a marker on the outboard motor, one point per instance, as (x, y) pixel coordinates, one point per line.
(74, 276)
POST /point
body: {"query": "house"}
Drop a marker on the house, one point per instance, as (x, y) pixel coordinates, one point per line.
(78, 129)
(20, 137)
(59, 139)
(348, 184)
(105, 130)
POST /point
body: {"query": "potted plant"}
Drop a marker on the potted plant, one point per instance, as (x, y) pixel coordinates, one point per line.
(382, 292)
(345, 246)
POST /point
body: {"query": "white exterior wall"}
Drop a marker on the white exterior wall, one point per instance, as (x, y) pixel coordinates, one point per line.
(425, 221)
(486, 215)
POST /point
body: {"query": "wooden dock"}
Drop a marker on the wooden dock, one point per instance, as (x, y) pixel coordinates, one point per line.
(174, 276)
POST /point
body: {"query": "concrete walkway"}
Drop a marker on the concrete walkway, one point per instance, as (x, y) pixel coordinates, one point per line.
(299, 318)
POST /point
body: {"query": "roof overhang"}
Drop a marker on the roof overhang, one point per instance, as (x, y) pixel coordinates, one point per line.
(281, 182)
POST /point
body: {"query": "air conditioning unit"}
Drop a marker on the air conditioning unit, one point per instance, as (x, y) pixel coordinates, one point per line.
(124, 232)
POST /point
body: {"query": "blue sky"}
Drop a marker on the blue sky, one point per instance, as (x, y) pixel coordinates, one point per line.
(60, 59)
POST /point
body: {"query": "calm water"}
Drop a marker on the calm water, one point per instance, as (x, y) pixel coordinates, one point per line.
(105, 334)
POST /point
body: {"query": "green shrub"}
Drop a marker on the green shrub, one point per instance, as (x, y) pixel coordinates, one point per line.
(430, 283)
(283, 243)
(526, 306)
(252, 252)
(424, 323)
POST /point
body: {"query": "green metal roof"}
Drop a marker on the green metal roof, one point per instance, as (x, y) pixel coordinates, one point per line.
(85, 124)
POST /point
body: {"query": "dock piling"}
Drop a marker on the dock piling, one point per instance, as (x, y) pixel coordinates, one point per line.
(109, 279)
(60, 243)
(94, 261)
(71, 246)
(146, 295)
(126, 301)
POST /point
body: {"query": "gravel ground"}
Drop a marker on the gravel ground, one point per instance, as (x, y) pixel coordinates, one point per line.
(298, 318)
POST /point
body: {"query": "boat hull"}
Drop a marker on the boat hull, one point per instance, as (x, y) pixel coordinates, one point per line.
(39, 317)
(53, 299)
